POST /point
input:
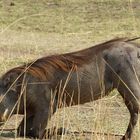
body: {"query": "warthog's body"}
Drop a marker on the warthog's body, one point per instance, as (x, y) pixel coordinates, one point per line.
(71, 79)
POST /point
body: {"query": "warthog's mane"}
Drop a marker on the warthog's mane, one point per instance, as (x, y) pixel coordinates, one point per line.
(45, 66)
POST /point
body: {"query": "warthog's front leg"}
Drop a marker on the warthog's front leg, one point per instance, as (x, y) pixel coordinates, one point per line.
(40, 119)
(39, 124)
(24, 129)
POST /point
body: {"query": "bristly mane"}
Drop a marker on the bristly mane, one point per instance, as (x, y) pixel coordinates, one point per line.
(45, 66)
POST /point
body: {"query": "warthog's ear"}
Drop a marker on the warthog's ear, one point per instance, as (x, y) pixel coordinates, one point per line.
(10, 81)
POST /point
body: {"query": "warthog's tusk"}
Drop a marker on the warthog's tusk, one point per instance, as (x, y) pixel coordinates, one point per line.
(4, 115)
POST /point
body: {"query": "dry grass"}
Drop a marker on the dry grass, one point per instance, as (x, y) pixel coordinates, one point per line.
(32, 29)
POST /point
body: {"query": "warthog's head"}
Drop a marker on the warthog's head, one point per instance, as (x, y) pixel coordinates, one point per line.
(8, 97)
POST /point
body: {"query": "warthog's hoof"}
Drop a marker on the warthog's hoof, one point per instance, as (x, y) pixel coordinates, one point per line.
(125, 138)
(56, 131)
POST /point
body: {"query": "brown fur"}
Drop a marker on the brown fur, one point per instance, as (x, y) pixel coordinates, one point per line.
(44, 67)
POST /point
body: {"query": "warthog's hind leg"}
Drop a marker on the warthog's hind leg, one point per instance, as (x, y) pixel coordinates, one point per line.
(133, 120)
(131, 96)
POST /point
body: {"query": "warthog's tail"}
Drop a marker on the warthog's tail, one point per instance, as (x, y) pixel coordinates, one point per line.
(132, 39)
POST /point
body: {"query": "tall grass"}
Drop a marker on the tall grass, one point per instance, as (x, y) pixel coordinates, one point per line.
(28, 29)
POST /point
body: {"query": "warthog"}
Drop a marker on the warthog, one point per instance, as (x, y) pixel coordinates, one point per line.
(41, 86)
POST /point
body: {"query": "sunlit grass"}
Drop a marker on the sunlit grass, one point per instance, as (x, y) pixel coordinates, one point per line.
(29, 30)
